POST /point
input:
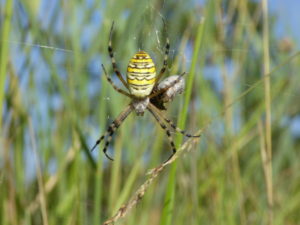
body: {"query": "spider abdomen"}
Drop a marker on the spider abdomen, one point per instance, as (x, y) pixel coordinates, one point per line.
(141, 75)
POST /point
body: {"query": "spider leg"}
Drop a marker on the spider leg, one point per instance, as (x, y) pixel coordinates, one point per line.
(108, 140)
(153, 108)
(112, 128)
(167, 87)
(112, 83)
(113, 61)
(165, 128)
(165, 62)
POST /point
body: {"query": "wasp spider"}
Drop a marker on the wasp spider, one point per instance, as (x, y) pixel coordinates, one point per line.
(145, 92)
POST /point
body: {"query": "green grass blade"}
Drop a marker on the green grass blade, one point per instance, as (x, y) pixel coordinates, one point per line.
(4, 53)
(169, 201)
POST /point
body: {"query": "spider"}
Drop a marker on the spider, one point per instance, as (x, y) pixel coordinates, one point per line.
(145, 92)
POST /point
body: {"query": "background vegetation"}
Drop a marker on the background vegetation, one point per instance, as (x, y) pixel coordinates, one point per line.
(242, 87)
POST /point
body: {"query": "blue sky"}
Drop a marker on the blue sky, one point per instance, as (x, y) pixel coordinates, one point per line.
(288, 18)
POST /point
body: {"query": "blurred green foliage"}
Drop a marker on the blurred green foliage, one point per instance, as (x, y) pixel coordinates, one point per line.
(56, 103)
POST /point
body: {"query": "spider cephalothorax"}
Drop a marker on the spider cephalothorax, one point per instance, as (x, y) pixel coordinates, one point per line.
(145, 92)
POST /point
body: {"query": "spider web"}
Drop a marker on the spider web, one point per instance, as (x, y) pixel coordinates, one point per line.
(148, 35)
(28, 59)
(29, 53)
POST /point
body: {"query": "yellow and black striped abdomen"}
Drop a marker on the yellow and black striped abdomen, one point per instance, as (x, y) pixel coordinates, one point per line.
(141, 75)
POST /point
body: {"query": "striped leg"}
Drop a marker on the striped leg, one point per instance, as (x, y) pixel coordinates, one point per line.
(163, 126)
(113, 61)
(114, 86)
(165, 62)
(153, 108)
(112, 128)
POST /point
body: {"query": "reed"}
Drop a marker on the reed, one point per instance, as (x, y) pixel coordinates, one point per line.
(241, 94)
